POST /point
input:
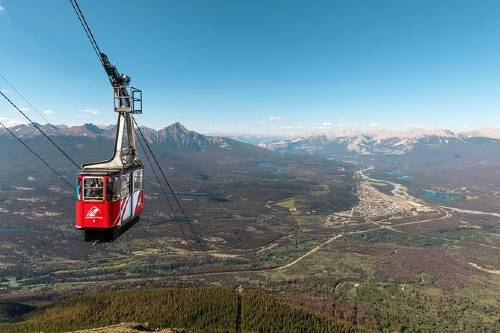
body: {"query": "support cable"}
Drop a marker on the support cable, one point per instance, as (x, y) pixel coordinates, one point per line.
(39, 113)
(87, 30)
(38, 156)
(195, 234)
(159, 183)
(40, 130)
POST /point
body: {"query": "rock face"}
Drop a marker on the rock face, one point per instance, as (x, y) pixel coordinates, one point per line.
(179, 136)
(131, 328)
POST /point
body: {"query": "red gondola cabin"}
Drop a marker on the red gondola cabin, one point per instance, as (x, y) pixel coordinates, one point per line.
(107, 201)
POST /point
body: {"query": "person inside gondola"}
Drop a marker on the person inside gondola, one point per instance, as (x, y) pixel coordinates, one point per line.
(94, 189)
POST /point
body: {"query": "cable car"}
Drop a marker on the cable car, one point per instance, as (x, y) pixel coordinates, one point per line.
(110, 194)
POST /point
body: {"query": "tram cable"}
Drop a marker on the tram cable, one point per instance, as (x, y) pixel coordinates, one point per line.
(155, 174)
(87, 30)
(37, 156)
(39, 129)
(61, 135)
(159, 183)
(195, 234)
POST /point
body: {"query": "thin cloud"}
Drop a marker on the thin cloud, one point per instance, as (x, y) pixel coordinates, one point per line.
(9, 122)
(2, 8)
(327, 123)
(274, 118)
(374, 125)
(48, 112)
(90, 111)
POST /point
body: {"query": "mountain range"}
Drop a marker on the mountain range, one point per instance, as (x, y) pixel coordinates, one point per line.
(346, 142)
(175, 135)
(380, 142)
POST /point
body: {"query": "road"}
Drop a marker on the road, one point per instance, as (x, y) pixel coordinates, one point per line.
(491, 271)
(469, 211)
(290, 264)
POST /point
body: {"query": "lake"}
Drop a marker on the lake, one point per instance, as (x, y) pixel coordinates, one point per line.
(400, 175)
(442, 196)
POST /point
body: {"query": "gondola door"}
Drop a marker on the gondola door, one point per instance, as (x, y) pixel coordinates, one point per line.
(137, 192)
(126, 202)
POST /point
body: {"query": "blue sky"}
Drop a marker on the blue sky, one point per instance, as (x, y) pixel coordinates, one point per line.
(283, 67)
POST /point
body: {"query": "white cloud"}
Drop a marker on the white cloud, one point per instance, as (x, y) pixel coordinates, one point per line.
(343, 125)
(24, 109)
(274, 118)
(327, 123)
(2, 8)
(10, 122)
(374, 125)
(48, 112)
(90, 111)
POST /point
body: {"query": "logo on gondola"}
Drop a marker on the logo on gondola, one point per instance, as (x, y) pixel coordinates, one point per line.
(92, 213)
